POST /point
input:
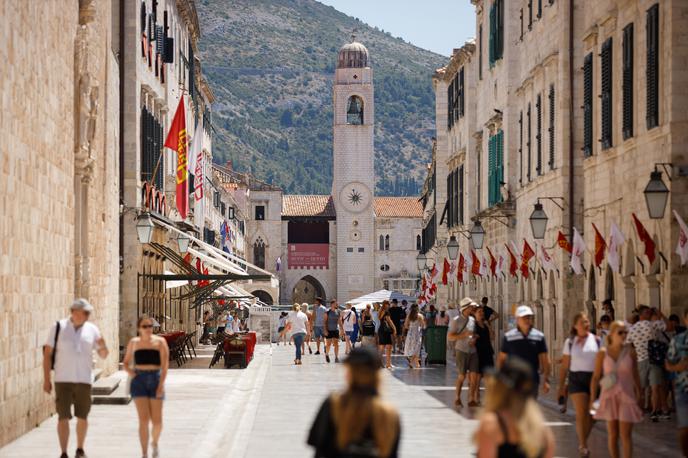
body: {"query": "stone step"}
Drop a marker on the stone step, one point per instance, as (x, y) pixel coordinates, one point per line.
(97, 373)
(118, 394)
(105, 386)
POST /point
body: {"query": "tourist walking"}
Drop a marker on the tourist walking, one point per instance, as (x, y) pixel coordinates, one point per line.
(387, 334)
(397, 315)
(529, 344)
(146, 361)
(349, 321)
(651, 375)
(309, 332)
(206, 328)
(282, 323)
(357, 422)
(580, 352)
(333, 328)
(368, 333)
(319, 324)
(68, 351)
(413, 326)
(442, 318)
(461, 332)
(297, 327)
(430, 316)
(490, 313)
(677, 362)
(512, 425)
(616, 372)
(483, 347)
(376, 316)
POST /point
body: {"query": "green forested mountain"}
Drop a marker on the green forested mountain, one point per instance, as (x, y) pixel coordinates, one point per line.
(271, 64)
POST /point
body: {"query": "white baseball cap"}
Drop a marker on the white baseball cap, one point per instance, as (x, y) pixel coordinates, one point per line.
(524, 310)
(82, 304)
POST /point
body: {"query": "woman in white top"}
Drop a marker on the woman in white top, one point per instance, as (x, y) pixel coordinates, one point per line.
(349, 320)
(297, 326)
(580, 352)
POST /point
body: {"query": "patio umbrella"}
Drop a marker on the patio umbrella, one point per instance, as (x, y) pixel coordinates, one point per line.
(379, 296)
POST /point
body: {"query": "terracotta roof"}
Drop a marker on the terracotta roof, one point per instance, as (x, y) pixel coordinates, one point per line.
(398, 207)
(304, 205)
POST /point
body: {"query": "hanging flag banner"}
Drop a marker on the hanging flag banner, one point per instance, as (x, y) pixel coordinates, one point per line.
(545, 259)
(475, 264)
(493, 262)
(682, 245)
(513, 263)
(500, 263)
(600, 246)
(528, 254)
(616, 239)
(460, 268)
(177, 141)
(483, 267)
(577, 251)
(644, 237)
(196, 168)
(445, 271)
(563, 243)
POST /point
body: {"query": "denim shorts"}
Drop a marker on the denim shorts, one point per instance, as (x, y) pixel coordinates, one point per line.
(318, 332)
(145, 384)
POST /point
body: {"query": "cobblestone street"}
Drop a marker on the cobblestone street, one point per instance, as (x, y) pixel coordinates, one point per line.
(266, 411)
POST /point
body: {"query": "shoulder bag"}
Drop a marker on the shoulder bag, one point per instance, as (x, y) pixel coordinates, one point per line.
(609, 380)
(52, 356)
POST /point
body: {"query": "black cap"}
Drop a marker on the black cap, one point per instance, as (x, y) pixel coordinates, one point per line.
(516, 374)
(364, 356)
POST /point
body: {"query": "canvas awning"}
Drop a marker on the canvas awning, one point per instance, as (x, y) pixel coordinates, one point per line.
(379, 296)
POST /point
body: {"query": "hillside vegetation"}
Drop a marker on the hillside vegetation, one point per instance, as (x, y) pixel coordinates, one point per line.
(271, 64)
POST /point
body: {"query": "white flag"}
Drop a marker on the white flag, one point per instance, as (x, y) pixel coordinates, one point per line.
(516, 251)
(483, 267)
(546, 260)
(500, 263)
(577, 252)
(682, 246)
(616, 239)
(195, 164)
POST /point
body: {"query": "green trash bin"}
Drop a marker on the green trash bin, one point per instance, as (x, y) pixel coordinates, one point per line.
(436, 345)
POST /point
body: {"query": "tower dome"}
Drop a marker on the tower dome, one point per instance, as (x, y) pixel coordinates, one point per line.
(353, 55)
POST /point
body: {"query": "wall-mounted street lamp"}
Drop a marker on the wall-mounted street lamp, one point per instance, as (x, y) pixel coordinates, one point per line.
(230, 213)
(477, 234)
(538, 219)
(656, 192)
(144, 227)
(421, 261)
(453, 248)
(183, 241)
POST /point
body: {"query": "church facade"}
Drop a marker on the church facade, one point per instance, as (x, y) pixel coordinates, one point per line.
(348, 243)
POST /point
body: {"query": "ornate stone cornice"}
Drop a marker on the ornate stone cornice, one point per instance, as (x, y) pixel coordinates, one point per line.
(460, 57)
(494, 123)
(187, 11)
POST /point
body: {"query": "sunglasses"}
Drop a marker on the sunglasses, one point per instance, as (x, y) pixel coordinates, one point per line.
(146, 326)
(622, 333)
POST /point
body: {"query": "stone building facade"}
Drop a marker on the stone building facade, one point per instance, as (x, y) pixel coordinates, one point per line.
(518, 122)
(59, 172)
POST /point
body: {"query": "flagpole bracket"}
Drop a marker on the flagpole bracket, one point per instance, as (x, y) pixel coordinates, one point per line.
(666, 262)
(554, 200)
(642, 266)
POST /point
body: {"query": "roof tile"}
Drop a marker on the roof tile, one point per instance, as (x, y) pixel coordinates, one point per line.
(398, 207)
(308, 205)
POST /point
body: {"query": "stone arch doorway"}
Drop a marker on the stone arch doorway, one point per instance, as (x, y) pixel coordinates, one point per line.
(306, 290)
(263, 296)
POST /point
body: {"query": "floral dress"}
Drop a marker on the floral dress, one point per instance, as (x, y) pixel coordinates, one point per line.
(414, 338)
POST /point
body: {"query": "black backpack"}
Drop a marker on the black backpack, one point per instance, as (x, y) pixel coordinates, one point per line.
(657, 350)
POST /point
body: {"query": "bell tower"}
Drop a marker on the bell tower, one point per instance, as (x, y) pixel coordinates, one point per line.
(353, 181)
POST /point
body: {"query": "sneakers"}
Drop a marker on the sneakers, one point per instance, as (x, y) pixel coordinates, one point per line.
(64, 455)
(317, 352)
(664, 416)
(327, 357)
(80, 453)
(156, 451)
(654, 417)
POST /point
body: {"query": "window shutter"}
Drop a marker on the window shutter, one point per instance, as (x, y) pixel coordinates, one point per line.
(143, 18)
(606, 80)
(450, 188)
(500, 27)
(530, 133)
(539, 10)
(521, 18)
(530, 14)
(461, 195)
(520, 147)
(551, 127)
(457, 96)
(627, 122)
(652, 69)
(450, 104)
(480, 52)
(490, 170)
(500, 166)
(462, 95)
(456, 197)
(491, 44)
(538, 135)
(587, 105)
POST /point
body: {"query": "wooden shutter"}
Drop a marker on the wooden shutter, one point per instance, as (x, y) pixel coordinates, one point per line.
(450, 104)
(627, 121)
(606, 85)
(462, 94)
(480, 52)
(587, 105)
(499, 162)
(529, 133)
(493, 26)
(490, 170)
(652, 69)
(551, 127)
(520, 147)
(456, 197)
(530, 14)
(500, 28)
(539, 10)
(450, 188)
(538, 134)
(457, 96)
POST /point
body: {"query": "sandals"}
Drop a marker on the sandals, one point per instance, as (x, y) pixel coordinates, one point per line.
(583, 452)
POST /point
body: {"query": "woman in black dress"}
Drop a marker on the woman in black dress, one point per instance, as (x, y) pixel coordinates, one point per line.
(483, 346)
(386, 334)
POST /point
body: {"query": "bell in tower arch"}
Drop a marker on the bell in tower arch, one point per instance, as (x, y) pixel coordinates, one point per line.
(354, 111)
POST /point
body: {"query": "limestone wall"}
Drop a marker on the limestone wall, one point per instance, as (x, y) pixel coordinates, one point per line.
(60, 118)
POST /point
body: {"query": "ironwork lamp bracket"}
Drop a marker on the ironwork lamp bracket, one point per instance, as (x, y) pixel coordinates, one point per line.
(554, 201)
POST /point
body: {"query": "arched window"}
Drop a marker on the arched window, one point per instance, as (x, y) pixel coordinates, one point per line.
(387, 242)
(354, 111)
(382, 242)
(418, 243)
(259, 253)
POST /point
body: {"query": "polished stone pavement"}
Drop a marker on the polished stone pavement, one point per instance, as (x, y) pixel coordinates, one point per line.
(266, 411)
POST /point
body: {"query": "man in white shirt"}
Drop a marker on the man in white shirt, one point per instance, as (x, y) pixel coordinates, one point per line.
(69, 351)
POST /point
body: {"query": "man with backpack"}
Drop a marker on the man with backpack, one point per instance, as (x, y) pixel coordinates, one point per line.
(69, 352)
(645, 336)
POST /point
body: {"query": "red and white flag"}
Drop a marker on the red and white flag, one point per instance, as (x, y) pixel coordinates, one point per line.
(475, 264)
(616, 239)
(682, 246)
(461, 268)
(645, 237)
(483, 267)
(176, 140)
(600, 246)
(501, 260)
(196, 168)
(577, 251)
(528, 254)
(445, 271)
(545, 259)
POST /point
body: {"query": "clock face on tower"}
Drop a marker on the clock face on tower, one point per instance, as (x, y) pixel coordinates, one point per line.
(355, 197)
